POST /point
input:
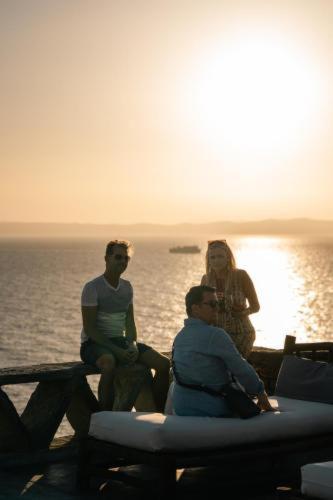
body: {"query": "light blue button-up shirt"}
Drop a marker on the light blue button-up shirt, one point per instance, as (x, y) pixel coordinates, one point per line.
(205, 354)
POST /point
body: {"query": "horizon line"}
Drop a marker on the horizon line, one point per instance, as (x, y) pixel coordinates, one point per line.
(270, 219)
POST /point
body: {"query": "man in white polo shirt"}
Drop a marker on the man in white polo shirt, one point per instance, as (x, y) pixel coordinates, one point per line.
(109, 333)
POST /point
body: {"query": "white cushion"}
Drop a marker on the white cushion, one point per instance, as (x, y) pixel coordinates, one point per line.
(317, 480)
(154, 431)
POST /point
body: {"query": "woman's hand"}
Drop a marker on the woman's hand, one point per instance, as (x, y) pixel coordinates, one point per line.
(263, 402)
(239, 311)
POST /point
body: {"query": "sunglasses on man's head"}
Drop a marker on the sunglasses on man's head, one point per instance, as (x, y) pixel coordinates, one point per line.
(119, 256)
(212, 303)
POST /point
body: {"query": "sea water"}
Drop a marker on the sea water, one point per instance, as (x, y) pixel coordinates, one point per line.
(41, 282)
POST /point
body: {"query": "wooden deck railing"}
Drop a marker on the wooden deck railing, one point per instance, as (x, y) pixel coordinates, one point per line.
(62, 389)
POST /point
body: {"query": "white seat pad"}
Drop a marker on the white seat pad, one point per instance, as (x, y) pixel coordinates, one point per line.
(157, 432)
(317, 480)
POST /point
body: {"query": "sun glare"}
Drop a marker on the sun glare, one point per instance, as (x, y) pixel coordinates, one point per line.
(255, 95)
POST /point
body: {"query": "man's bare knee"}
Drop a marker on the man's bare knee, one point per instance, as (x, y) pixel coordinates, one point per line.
(106, 363)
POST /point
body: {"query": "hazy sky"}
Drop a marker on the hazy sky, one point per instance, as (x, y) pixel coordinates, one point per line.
(165, 111)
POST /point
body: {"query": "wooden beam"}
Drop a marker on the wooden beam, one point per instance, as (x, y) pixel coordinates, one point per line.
(13, 434)
(46, 409)
(45, 372)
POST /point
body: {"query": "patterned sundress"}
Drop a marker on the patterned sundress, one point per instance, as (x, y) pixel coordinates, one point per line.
(233, 295)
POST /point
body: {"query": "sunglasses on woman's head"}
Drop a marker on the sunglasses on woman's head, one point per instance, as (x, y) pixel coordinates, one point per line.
(215, 242)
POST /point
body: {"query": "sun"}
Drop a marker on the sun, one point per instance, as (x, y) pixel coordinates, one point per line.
(255, 94)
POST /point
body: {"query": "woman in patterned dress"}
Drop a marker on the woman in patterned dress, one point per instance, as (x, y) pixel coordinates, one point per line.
(236, 294)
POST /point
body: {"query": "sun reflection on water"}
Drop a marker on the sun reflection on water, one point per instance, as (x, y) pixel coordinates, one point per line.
(270, 265)
(292, 300)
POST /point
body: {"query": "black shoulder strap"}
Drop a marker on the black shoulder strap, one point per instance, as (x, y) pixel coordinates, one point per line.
(195, 387)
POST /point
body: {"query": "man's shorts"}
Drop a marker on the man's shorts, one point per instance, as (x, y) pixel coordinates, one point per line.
(90, 351)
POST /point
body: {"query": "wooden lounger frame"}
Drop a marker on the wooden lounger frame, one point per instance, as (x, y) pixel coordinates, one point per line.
(272, 462)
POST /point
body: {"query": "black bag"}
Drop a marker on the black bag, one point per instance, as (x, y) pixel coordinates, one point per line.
(237, 399)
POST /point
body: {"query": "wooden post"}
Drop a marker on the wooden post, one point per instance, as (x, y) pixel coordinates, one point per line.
(127, 385)
(82, 474)
(166, 485)
(83, 403)
(289, 344)
(145, 400)
(46, 408)
(13, 433)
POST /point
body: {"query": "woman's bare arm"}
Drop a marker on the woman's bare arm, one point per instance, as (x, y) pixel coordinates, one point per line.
(204, 280)
(250, 293)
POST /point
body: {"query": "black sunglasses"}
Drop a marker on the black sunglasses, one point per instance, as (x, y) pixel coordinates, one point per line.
(212, 303)
(119, 256)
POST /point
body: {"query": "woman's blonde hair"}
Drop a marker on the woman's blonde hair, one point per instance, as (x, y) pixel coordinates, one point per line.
(222, 244)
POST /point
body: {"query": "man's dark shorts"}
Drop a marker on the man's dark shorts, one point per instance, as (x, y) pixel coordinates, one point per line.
(90, 351)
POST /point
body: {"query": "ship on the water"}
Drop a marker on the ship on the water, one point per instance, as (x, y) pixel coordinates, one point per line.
(185, 249)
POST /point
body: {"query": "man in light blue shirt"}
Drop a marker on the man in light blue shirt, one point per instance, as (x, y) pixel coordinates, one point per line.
(205, 355)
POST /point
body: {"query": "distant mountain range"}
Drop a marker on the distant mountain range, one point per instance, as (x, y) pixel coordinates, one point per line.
(268, 226)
